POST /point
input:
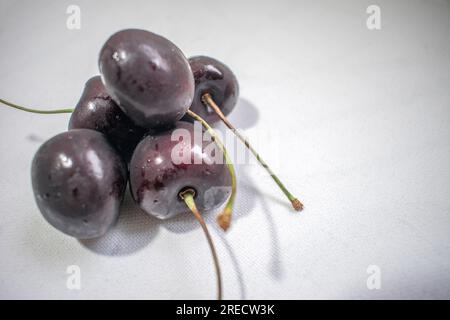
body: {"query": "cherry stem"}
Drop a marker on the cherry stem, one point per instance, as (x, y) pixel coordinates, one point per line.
(224, 219)
(188, 197)
(209, 101)
(12, 105)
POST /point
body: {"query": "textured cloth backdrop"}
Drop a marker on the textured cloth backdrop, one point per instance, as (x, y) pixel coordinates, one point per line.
(356, 121)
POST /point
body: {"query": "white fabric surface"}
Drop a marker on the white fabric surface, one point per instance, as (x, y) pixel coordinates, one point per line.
(359, 128)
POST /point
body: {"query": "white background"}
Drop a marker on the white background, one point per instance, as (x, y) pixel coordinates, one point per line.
(362, 126)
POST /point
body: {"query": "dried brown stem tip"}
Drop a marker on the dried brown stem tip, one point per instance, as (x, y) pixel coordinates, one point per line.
(224, 220)
(297, 205)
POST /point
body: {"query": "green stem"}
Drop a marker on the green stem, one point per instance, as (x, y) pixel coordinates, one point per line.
(224, 219)
(15, 106)
(208, 100)
(188, 197)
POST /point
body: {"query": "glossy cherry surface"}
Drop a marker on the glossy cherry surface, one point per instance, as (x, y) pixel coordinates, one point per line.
(148, 76)
(97, 111)
(78, 182)
(213, 77)
(157, 175)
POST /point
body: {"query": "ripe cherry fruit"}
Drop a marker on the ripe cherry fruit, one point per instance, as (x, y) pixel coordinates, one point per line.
(172, 172)
(162, 166)
(148, 76)
(97, 111)
(78, 182)
(213, 77)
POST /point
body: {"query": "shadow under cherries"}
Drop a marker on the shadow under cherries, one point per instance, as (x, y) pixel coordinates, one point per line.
(245, 115)
(133, 231)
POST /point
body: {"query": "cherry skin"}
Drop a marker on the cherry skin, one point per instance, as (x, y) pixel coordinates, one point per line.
(79, 181)
(157, 177)
(97, 111)
(148, 76)
(213, 77)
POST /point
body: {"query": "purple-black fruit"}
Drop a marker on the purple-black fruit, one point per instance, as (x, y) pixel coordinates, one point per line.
(79, 181)
(157, 178)
(97, 111)
(148, 76)
(213, 77)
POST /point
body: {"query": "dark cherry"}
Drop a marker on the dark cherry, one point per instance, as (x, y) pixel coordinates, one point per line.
(79, 181)
(156, 179)
(213, 77)
(148, 76)
(97, 111)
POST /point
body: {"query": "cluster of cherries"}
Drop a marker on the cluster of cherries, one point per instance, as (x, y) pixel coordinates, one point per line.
(122, 130)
